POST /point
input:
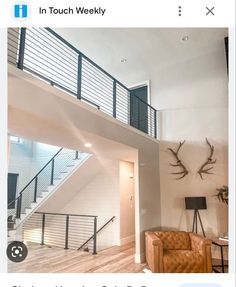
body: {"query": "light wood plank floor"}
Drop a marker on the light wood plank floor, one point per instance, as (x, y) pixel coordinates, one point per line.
(43, 259)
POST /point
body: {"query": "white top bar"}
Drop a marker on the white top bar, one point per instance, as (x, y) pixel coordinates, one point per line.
(122, 13)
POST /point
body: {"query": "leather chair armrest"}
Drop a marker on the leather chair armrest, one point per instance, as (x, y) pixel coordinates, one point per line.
(154, 252)
(198, 242)
(203, 246)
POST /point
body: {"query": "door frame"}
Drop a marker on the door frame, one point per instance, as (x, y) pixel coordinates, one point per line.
(143, 84)
(140, 85)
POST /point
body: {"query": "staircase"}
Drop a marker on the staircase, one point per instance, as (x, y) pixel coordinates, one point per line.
(45, 183)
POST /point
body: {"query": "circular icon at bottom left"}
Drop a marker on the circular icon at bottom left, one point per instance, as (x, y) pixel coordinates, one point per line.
(17, 251)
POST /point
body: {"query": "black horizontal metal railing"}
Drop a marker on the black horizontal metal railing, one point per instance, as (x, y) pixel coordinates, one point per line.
(100, 229)
(61, 229)
(44, 53)
(40, 182)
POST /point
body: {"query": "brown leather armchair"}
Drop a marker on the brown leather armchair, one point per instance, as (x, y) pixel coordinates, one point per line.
(178, 252)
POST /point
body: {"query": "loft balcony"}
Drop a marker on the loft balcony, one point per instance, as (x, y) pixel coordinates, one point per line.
(46, 55)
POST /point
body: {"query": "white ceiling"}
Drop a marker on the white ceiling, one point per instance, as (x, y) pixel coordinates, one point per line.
(147, 50)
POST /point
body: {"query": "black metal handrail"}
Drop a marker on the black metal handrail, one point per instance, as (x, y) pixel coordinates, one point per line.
(67, 229)
(63, 214)
(84, 56)
(35, 176)
(96, 65)
(49, 56)
(44, 177)
(111, 219)
(42, 168)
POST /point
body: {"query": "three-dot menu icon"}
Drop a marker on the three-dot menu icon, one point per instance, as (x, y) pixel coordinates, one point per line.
(180, 10)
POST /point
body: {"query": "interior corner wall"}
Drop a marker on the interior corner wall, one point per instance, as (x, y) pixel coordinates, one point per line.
(193, 99)
(127, 202)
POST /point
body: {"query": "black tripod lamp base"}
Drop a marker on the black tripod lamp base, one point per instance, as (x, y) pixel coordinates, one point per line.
(196, 203)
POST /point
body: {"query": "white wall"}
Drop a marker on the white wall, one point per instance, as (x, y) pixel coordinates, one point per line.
(42, 153)
(193, 154)
(93, 190)
(193, 98)
(127, 202)
(101, 197)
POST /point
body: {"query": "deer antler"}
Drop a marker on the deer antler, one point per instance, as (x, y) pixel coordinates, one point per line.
(184, 171)
(209, 160)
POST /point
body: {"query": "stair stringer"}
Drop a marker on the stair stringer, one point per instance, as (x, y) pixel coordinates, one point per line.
(51, 190)
(78, 181)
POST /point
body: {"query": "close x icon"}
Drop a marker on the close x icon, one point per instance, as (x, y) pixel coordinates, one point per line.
(210, 11)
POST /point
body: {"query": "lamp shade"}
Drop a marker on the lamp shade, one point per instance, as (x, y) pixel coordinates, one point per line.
(195, 203)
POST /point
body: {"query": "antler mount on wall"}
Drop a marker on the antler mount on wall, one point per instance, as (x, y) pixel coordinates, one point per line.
(178, 163)
(204, 169)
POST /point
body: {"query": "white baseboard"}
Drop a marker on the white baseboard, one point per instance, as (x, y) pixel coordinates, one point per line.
(139, 258)
(127, 239)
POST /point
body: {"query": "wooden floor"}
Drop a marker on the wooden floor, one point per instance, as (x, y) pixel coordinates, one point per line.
(43, 259)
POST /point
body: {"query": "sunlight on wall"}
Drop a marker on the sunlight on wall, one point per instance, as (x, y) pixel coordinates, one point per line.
(33, 235)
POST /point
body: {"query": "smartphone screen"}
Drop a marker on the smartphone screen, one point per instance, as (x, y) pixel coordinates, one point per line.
(117, 143)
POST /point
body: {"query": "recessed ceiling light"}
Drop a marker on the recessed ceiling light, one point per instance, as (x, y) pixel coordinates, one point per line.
(88, 145)
(185, 38)
(123, 60)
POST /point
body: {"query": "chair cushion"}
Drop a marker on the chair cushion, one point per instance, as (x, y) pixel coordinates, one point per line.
(182, 261)
(174, 240)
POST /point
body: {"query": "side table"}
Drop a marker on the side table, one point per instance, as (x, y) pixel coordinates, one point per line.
(221, 244)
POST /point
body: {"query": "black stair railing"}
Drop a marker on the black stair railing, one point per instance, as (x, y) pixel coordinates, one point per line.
(96, 232)
(40, 182)
(44, 53)
(63, 229)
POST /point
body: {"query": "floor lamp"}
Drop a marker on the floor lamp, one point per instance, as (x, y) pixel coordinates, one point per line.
(196, 203)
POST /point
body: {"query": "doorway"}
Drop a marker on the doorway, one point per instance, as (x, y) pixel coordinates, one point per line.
(11, 189)
(139, 108)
